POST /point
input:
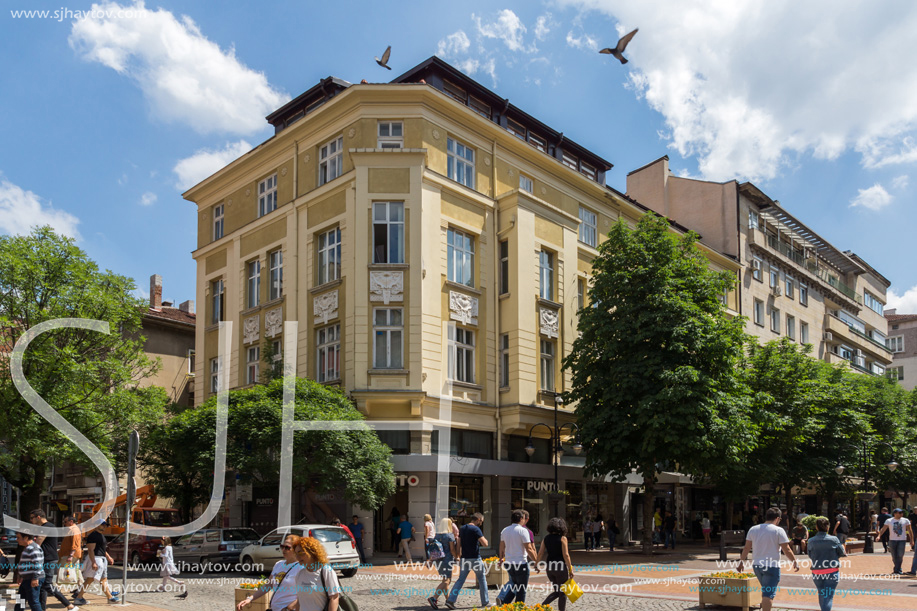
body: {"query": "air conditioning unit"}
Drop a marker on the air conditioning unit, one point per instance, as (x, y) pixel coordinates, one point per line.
(829, 336)
(859, 353)
(756, 264)
(775, 291)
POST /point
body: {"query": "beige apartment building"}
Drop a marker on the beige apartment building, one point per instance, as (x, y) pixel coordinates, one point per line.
(377, 216)
(902, 341)
(793, 283)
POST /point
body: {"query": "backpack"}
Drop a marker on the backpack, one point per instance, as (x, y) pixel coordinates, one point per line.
(435, 550)
(345, 603)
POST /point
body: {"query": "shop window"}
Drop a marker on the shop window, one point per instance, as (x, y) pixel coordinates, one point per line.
(468, 444)
(466, 496)
(398, 441)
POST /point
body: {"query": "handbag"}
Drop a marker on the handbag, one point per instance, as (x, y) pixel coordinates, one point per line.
(68, 575)
(435, 550)
(345, 603)
(572, 590)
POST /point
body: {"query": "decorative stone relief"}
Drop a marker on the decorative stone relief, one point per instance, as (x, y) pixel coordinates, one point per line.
(436, 134)
(306, 158)
(351, 133)
(549, 322)
(386, 286)
(283, 172)
(325, 308)
(510, 172)
(250, 330)
(248, 193)
(487, 161)
(463, 308)
(229, 202)
(273, 322)
(544, 191)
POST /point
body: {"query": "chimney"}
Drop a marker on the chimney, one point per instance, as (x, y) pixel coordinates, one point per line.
(187, 306)
(890, 311)
(156, 292)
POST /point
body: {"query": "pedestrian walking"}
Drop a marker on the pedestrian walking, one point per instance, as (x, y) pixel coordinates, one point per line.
(95, 566)
(406, 535)
(587, 533)
(429, 533)
(31, 571)
(282, 581)
(317, 585)
(825, 552)
(394, 519)
(705, 528)
(657, 527)
(51, 564)
(555, 552)
(446, 538)
(873, 522)
(168, 570)
(668, 524)
(71, 549)
(470, 541)
(767, 539)
(884, 516)
(357, 529)
(899, 534)
(515, 552)
(841, 527)
(597, 525)
(611, 526)
(912, 517)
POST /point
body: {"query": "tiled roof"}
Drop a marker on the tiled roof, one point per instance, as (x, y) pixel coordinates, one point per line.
(171, 314)
(901, 317)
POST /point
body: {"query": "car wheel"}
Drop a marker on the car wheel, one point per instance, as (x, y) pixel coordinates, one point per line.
(348, 572)
(205, 565)
(135, 560)
(247, 565)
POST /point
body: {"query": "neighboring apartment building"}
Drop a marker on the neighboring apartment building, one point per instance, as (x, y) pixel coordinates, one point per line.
(793, 282)
(902, 341)
(376, 215)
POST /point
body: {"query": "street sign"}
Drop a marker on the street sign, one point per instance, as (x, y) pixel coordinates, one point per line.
(133, 445)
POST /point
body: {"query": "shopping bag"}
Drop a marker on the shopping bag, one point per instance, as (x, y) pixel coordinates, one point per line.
(572, 590)
(68, 575)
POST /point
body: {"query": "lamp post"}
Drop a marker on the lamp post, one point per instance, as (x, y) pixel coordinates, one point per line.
(556, 444)
(865, 453)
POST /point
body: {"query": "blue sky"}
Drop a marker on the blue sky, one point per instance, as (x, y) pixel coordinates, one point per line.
(107, 117)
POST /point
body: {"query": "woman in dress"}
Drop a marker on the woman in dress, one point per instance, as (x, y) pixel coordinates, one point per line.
(168, 570)
(555, 550)
(429, 532)
(705, 528)
(447, 539)
(316, 583)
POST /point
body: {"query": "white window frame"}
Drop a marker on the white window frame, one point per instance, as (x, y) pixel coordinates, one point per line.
(872, 303)
(390, 333)
(548, 354)
(774, 277)
(775, 320)
(789, 284)
(895, 344)
(459, 257)
(460, 163)
(275, 261)
(546, 275)
(570, 161)
(386, 137)
(267, 195)
(328, 353)
(217, 301)
(895, 373)
(526, 184)
(252, 364)
(215, 370)
(803, 332)
(538, 142)
(588, 227)
(394, 230)
(757, 265)
(253, 285)
(504, 360)
(504, 266)
(580, 293)
(218, 226)
(588, 171)
(277, 349)
(759, 312)
(331, 160)
(329, 255)
(461, 354)
(752, 219)
(791, 327)
(803, 294)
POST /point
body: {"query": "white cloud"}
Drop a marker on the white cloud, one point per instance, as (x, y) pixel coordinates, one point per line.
(745, 86)
(185, 77)
(874, 198)
(508, 28)
(22, 210)
(148, 199)
(900, 182)
(905, 304)
(543, 26)
(205, 162)
(453, 44)
(585, 41)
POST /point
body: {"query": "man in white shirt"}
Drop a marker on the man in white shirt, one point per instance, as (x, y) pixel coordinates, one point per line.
(768, 539)
(899, 533)
(516, 549)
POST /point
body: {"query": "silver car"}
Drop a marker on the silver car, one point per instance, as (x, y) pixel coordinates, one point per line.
(338, 544)
(212, 548)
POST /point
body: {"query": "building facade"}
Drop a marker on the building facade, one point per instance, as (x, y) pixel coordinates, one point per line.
(902, 341)
(392, 221)
(793, 283)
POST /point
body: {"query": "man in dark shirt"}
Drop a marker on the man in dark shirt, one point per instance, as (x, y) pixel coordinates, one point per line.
(357, 529)
(471, 539)
(883, 516)
(841, 527)
(668, 525)
(95, 567)
(49, 549)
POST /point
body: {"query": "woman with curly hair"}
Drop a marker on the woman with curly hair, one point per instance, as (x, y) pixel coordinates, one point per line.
(316, 583)
(554, 548)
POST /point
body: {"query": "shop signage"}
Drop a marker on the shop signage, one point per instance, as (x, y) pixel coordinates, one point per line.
(264, 502)
(539, 486)
(410, 480)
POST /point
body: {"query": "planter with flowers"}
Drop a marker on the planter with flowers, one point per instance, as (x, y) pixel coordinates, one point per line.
(728, 589)
(517, 607)
(495, 573)
(246, 589)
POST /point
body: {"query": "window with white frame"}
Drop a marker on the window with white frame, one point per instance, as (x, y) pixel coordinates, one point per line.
(538, 142)
(803, 294)
(461, 355)
(331, 160)
(217, 310)
(388, 327)
(329, 255)
(218, 222)
(588, 230)
(547, 365)
(252, 363)
(588, 171)
(479, 106)
(759, 312)
(267, 195)
(328, 353)
(570, 161)
(215, 375)
(872, 303)
(504, 360)
(254, 283)
(459, 257)
(277, 350)
(775, 320)
(895, 344)
(752, 219)
(388, 232)
(895, 373)
(803, 332)
(526, 184)
(516, 129)
(460, 163)
(504, 267)
(791, 327)
(580, 293)
(391, 135)
(877, 369)
(275, 259)
(756, 265)
(790, 284)
(775, 277)
(546, 275)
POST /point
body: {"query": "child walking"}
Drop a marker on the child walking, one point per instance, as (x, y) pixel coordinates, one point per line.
(168, 569)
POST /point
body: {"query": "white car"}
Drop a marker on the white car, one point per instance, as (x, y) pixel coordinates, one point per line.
(340, 547)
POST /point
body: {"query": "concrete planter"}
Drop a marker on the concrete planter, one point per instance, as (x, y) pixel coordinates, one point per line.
(726, 592)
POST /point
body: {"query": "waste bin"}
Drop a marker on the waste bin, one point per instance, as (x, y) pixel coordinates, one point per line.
(868, 544)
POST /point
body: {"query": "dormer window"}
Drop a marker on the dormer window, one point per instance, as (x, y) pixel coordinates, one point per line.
(570, 161)
(538, 142)
(391, 135)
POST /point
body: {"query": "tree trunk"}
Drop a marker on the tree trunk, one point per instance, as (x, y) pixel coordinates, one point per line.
(730, 509)
(30, 494)
(788, 492)
(649, 486)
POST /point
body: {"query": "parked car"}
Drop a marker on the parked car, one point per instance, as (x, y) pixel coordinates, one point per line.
(142, 550)
(8, 540)
(340, 547)
(211, 546)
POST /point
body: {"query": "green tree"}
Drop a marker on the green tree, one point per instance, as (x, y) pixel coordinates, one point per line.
(90, 378)
(654, 370)
(180, 460)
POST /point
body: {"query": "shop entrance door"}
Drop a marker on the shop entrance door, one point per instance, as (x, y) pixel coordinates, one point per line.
(384, 538)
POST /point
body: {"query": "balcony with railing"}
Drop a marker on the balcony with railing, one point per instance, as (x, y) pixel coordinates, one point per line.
(826, 276)
(849, 333)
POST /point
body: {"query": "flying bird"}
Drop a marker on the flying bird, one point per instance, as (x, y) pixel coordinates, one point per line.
(384, 61)
(619, 48)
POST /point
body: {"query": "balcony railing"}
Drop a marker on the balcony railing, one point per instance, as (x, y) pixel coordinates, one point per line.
(825, 276)
(786, 250)
(835, 323)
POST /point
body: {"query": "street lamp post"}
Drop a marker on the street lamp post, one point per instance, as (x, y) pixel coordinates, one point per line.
(865, 453)
(556, 444)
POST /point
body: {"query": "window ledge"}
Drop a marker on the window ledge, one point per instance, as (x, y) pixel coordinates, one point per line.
(388, 372)
(273, 302)
(592, 250)
(549, 303)
(468, 385)
(212, 327)
(504, 389)
(504, 296)
(324, 287)
(388, 266)
(464, 287)
(249, 311)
